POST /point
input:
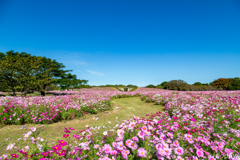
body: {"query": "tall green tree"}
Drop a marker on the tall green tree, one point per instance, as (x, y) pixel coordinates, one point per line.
(22, 71)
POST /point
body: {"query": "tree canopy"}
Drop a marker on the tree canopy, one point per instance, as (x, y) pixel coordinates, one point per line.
(24, 72)
(179, 85)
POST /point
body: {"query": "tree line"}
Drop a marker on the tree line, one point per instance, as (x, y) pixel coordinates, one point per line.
(22, 72)
(218, 84)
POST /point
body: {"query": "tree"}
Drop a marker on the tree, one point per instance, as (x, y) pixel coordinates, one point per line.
(164, 84)
(222, 83)
(179, 85)
(150, 86)
(69, 80)
(235, 84)
(197, 83)
(22, 71)
(55, 72)
(159, 86)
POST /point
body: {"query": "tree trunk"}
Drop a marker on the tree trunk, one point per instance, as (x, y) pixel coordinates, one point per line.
(42, 93)
(14, 92)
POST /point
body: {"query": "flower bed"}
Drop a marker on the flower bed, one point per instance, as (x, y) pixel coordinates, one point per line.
(195, 125)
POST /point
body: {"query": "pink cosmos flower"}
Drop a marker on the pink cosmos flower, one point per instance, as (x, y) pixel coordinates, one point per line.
(175, 143)
(113, 152)
(124, 155)
(114, 144)
(179, 151)
(161, 152)
(140, 134)
(215, 148)
(227, 150)
(144, 128)
(131, 125)
(107, 148)
(128, 142)
(179, 158)
(188, 136)
(190, 141)
(135, 139)
(96, 146)
(195, 158)
(199, 153)
(142, 152)
(211, 158)
(120, 138)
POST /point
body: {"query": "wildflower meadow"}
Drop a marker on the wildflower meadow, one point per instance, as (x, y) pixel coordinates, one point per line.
(194, 125)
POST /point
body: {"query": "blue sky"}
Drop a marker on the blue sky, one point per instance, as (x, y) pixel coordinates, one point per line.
(128, 42)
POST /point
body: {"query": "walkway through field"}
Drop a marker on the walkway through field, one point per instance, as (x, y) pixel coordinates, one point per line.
(124, 108)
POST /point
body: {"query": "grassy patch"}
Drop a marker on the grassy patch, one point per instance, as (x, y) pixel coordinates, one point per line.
(124, 108)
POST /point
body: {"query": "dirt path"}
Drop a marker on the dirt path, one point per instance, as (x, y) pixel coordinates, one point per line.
(123, 108)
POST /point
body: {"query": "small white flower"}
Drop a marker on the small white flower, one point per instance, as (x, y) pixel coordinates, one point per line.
(105, 133)
(109, 122)
(41, 139)
(87, 125)
(116, 117)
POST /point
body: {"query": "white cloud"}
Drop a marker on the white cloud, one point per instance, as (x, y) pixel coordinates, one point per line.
(96, 73)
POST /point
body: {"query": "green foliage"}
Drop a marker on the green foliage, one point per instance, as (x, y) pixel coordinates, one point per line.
(159, 86)
(197, 83)
(25, 73)
(235, 84)
(201, 88)
(179, 85)
(164, 84)
(222, 83)
(150, 86)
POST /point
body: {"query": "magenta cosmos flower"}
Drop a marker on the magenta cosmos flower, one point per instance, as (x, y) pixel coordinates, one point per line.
(62, 143)
(142, 152)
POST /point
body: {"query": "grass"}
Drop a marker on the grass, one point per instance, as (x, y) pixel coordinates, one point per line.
(126, 108)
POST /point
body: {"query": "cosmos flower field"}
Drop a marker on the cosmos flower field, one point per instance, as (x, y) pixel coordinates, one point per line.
(193, 125)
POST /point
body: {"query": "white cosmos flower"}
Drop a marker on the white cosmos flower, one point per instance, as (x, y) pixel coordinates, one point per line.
(105, 133)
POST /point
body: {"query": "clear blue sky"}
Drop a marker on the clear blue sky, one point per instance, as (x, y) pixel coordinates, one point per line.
(128, 42)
